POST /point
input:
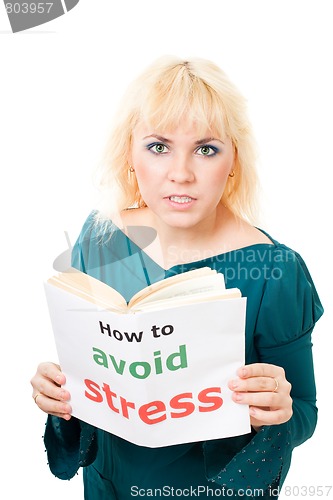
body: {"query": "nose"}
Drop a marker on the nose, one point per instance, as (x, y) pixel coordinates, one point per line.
(180, 169)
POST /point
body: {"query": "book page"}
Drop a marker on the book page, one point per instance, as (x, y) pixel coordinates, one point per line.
(187, 278)
(182, 300)
(202, 284)
(89, 288)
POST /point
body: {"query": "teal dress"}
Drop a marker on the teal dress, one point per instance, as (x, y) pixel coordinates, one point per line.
(282, 309)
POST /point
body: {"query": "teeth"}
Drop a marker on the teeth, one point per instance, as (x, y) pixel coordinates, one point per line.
(180, 199)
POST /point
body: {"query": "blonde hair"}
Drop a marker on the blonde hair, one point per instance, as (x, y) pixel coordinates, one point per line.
(171, 90)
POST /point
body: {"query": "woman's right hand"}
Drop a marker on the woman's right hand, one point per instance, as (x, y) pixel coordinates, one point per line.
(47, 392)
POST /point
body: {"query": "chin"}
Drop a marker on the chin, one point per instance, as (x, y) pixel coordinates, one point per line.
(181, 221)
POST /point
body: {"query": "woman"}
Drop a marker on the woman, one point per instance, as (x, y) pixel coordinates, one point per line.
(178, 192)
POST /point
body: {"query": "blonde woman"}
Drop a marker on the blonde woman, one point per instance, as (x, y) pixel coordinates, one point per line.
(179, 174)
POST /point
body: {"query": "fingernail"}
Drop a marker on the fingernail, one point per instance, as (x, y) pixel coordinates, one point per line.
(234, 384)
(67, 408)
(63, 395)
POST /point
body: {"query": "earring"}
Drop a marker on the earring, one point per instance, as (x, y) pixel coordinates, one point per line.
(131, 169)
(232, 174)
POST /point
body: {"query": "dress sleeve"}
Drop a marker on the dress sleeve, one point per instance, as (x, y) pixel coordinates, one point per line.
(71, 444)
(81, 249)
(289, 309)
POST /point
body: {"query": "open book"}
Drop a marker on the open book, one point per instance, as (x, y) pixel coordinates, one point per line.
(154, 371)
(187, 288)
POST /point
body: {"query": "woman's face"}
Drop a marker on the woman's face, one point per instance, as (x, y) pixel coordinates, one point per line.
(181, 175)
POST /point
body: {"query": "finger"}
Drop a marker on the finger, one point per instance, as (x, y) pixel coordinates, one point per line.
(48, 380)
(261, 370)
(48, 388)
(66, 416)
(260, 416)
(53, 407)
(52, 372)
(254, 384)
(267, 399)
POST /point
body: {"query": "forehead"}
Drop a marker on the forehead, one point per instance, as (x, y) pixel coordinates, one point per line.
(190, 131)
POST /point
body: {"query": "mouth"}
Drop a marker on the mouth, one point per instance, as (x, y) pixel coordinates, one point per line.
(182, 199)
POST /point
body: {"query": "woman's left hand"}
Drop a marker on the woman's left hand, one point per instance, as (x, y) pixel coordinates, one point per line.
(267, 392)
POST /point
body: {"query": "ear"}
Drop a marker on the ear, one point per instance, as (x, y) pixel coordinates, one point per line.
(235, 162)
(235, 151)
(129, 158)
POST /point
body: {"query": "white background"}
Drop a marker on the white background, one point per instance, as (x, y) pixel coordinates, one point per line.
(59, 86)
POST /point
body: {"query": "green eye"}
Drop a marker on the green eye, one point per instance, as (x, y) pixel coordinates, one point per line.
(157, 148)
(207, 151)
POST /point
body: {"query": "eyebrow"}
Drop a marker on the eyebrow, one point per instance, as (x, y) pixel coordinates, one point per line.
(159, 137)
(207, 139)
(197, 143)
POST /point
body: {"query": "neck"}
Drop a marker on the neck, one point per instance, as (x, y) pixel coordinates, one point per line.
(177, 245)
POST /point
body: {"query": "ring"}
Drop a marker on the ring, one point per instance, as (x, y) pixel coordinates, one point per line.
(35, 397)
(276, 385)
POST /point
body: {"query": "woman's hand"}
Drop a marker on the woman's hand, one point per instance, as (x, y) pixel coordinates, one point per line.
(267, 392)
(47, 391)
